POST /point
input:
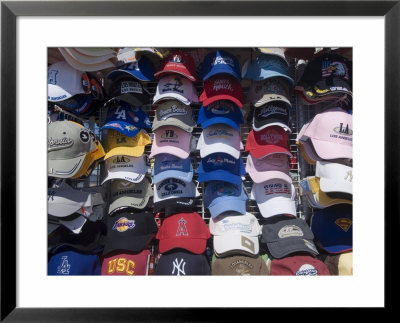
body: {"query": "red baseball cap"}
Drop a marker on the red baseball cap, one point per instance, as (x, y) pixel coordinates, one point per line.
(126, 264)
(298, 265)
(222, 87)
(178, 62)
(184, 230)
(268, 141)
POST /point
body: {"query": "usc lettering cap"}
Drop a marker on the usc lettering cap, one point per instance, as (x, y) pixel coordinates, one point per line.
(268, 141)
(183, 231)
(298, 265)
(132, 169)
(175, 87)
(126, 264)
(235, 234)
(275, 166)
(129, 232)
(174, 113)
(171, 140)
(178, 62)
(117, 144)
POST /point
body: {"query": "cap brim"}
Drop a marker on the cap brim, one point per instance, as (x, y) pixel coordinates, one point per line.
(206, 150)
(65, 168)
(269, 98)
(221, 70)
(128, 176)
(57, 94)
(133, 100)
(219, 175)
(215, 120)
(127, 72)
(259, 177)
(197, 246)
(235, 243)
(266, 74)
(269, 150)
(225, 204)
(176, 151)
(332, 186)
(330, 150)
(184, 73)
(168, 96)
(277, 205)
(126, 151)
(183, 176)
(173, 122)
(287, 246)
(272, 122)
(128, 201)
(215, 98)
(175, 205)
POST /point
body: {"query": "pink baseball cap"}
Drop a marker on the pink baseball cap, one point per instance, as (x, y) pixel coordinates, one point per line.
(268, 141)
(171, 140)
(331, 133)
(270, 167)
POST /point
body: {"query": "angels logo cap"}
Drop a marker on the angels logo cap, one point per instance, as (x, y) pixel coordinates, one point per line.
(331, 134)
(275, 166)
(141, 69)
(267, 66)
(221, 197)
(221, 167)
(285, 235)
(182, 263)
(334, 177)
(126, 264)
(117, 144)
(274, 197)
(269, 90)
(235, 234)
(268, 141)
(218, 138)
(220, 62)
(174, 113)
(170, 166)
(132, 169)
(124, 193)
(129, 231)
(333, 228)
(183, 231)
(63, 82)
(126, 119)
(239, 265)
(127, 90)
(172, 188)
(175, 87)
(275, 113)
(221, 111)
(171, 140)
(68, 143)
(222, 87)
(178, 62)
(298, 265)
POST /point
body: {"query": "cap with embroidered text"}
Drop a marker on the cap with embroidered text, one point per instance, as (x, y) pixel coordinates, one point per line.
(239, 265)
(173, 113)
(119, 263)
(269, 90)
(128, 168)
(182, 263)
(274, 113)
(220, 62)
(175, 87)
(170, 166)
(171, 140)
(127, 90)
(178, 62)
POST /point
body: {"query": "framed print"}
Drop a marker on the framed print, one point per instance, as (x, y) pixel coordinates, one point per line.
(366, 31)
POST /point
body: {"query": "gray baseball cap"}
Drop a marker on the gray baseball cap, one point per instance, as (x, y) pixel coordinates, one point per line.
(124, 194)
(68, 143)
(174, 113)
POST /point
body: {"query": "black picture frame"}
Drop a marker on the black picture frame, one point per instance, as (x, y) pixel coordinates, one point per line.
(10, 10)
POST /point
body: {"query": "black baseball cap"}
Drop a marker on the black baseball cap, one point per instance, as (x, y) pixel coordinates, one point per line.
(175, 205)
(273, 113)
(128, 90)
(182, 263)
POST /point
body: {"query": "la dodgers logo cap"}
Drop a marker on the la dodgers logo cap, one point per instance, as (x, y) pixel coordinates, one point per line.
(275, 166)
(220, 62)
(119, 263)
(298, 265)
(183, 231)
(132, 169)
(171, 140)
(170, 166)
(173, 113)
(178, 62)
(334, 177)
(175, 87)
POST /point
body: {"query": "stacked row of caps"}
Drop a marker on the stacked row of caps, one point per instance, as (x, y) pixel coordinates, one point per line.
(326, 141)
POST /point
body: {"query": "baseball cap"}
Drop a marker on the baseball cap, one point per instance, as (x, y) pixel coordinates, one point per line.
(220, 62)
(141, 69)
(275, 166)
(83, 66)
(275, 113)
(278, 51)
(183, 231)
(333, 228)
(117, 144)
(182, 263)
(235, 234)
(323, 199)
(221, 167)
(174, 86)
(172, 188)
(340, 264)
(220, 197)
(68, 143)
(334, 177)
(268, 90)
(88, 58)
(72, 262)
(285, 235)
(268, 141)
(217, 138)
(63, 200)
(178, 62)
(331, 134)
(298, 265)
(73, 222)
(221, 111)
(127, 90)
(170, 166)
(273, 197)
(129, 231)
(126, 264)
(171, 140)
(239, 265)
(132, 169)
(126, 119)
(174, 113)
(63, 82)
(222, 87)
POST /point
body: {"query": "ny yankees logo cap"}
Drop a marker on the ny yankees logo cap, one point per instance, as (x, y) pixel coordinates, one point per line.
(183, 231)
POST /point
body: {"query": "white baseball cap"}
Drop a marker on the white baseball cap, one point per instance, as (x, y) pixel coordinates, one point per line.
(132, 169)
(174, 86)
(334, 177)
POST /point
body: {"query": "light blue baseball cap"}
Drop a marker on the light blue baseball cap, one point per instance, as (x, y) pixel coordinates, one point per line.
(170, 166)
(266, 66)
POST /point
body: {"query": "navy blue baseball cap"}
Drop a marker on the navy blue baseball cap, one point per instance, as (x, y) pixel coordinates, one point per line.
(141, 69)
(221, 167)
(126, 119)
(68, 262)
(220, 197)
(222, 111)
(182, 263)
(170, 166)
(220, 62)
(333, 228)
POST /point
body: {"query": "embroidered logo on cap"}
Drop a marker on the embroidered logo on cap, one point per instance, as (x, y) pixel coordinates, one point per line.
(56, 144)
(343, 130)
(224, 60)
(173, 86)
(179, 266)
(290, 231)
(131, 87)
(182, 230)
(169, 134)
(265, 112)
(173, 110)
(219, 133)
(221, 108)
(349, 176)
(271, 138)
(307, 270)
(344, 223)
(223, 84)
(225, 189)
(64, 268)
(123, 224)
(277, 188)
(334, 68)
(121, 160)
(176, 59)
(247, 243)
